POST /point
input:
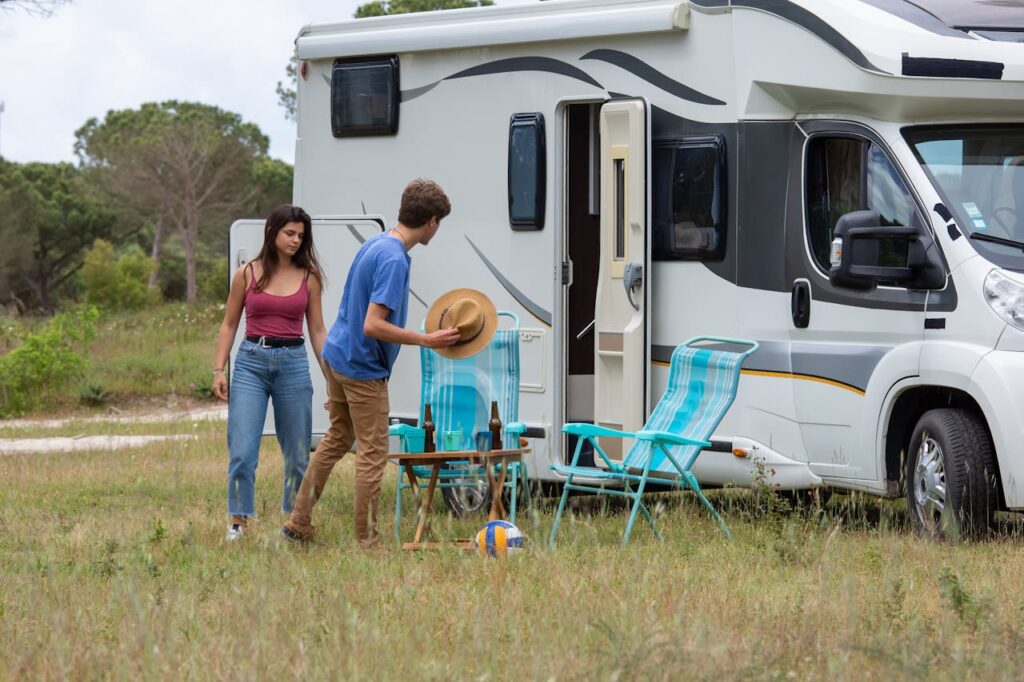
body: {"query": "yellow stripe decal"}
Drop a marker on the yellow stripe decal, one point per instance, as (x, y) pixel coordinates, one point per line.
(500, 541)
(787, 375)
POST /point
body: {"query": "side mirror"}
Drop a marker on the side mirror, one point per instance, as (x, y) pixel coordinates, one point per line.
(866, 253)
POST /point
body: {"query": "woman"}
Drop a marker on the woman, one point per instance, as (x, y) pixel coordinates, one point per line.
(277, 289)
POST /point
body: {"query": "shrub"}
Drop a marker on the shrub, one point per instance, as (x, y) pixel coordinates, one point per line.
(45, 360)
(121, 283)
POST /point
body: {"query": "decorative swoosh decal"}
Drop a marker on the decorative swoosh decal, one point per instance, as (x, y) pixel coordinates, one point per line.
(512, 65)
(534, 309)
(648, 73)
(806, 19)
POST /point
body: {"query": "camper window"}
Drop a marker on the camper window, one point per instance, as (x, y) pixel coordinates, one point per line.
(689, 199)
(526, 172)
(364, 97)
(846, 174)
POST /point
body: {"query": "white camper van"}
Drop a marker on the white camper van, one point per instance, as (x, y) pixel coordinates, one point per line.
(841, 180)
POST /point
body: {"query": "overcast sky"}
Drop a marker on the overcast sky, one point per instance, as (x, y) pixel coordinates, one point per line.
(92, 56)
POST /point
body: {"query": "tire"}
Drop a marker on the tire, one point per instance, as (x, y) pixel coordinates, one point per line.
(952, 481)
(473, 497)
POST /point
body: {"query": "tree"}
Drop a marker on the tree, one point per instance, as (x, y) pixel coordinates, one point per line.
(286, 96)
(191, 164)
(50, 217)
(379, 8)
(42, 7)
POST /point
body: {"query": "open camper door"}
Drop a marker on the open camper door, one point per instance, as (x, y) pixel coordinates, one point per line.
(336, 239)
(621, 341)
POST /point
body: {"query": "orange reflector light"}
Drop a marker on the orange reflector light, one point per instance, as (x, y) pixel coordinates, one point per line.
(739, 452)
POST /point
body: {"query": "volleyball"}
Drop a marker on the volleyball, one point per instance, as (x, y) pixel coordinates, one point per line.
(499, 539)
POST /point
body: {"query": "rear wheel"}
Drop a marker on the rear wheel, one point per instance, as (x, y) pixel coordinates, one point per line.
(951, 475)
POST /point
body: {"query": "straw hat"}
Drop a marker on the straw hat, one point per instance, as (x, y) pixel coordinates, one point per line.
(471, 312)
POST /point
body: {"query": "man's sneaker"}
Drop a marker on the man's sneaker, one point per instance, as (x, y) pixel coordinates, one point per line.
(235, 532)
(290, 535)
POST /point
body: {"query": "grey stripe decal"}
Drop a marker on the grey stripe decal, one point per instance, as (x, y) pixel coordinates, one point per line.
(918, 17)
(416, 92)
(648, 73)
(534, 309)
(848, 364)
(785, 9)
(359, 238)
(512, 65)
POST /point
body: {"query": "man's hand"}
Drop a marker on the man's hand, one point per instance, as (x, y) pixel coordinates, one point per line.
(220, 385)
(442, 338)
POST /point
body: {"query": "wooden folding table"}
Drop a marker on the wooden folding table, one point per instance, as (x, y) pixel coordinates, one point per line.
(494, 462)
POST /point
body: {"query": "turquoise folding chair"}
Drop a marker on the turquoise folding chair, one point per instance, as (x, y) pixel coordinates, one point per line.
(702, 381)
(460, 393)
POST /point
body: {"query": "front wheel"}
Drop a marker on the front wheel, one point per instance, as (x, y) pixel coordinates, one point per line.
(951, 475)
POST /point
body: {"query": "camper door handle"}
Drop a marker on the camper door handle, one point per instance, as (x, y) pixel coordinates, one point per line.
(800, 304)
(632, 278)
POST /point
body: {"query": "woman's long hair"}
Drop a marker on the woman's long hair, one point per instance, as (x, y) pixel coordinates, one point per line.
(305, 257)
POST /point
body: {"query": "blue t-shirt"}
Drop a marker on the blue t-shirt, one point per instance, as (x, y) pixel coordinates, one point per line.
(379, 274)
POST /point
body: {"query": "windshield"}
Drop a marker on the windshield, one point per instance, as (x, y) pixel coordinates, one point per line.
(979, 173)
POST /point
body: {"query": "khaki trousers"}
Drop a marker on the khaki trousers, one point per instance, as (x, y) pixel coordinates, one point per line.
(359, 413)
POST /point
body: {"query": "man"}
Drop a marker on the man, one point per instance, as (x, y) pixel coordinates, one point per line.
(358, 356)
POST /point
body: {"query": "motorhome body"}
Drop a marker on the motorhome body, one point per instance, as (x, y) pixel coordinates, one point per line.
(628, 174)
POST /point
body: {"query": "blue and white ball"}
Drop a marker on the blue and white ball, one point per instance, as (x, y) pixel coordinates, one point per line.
(499, 539)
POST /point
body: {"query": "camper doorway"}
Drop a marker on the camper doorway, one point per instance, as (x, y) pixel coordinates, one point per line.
(607, 151)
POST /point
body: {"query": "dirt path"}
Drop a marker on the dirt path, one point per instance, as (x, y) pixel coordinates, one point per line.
(18, 446)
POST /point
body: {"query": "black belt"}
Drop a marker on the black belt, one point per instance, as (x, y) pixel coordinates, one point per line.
(275, 341)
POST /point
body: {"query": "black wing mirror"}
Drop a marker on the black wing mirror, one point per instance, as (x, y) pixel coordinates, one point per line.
(866, 253)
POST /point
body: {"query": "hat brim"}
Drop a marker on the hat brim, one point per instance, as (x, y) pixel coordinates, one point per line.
(477, 343)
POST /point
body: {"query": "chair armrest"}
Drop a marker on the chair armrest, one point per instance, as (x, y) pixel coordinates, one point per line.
(584, 429)
(404, 430)
(517, 428)
(666, 437)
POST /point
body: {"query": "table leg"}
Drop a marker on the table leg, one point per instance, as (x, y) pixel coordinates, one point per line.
(413, 482)
(497, 488)
(425, 503)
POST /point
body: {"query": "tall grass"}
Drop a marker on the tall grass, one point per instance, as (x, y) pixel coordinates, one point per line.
(112, 565)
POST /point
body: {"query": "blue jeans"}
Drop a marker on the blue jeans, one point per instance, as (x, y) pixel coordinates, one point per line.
(281, 374)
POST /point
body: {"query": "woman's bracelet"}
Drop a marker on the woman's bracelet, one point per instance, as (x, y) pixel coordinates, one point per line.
(218, 371)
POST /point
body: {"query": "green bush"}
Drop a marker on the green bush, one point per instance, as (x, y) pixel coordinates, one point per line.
(213, 279)
(46, 360)
(120, 283)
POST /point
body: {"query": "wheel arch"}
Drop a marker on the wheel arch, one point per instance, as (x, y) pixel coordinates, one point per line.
(905, 411)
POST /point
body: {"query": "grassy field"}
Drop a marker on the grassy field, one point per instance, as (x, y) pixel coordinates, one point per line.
(112, 565)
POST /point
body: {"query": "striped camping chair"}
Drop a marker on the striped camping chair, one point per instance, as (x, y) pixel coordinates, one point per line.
(460, 393)
(702, 382)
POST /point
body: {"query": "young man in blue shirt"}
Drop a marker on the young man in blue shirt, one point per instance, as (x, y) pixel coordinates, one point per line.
(358, 355)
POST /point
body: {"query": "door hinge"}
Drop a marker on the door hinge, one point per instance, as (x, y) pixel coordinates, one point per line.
(565, 272)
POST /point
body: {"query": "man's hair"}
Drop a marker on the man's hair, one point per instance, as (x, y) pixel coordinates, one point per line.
(421, 201)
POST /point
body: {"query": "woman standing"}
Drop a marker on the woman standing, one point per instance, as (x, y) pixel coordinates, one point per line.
(277, 289)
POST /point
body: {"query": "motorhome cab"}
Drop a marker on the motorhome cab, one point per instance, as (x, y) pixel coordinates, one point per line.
(841, 180)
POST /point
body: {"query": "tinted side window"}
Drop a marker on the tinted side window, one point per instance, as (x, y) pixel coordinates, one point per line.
(364, 97)
(527, 176)
(688, 198)
(847, 174)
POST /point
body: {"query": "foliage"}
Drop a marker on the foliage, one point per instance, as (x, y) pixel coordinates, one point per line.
(286, 96)
(46, 360)
(271, 186)
(379, 8)
(38, 7)
(50, 217)
(119, 283)
(188, 164)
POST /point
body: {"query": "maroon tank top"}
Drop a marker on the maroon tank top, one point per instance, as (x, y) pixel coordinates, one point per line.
(270, 315)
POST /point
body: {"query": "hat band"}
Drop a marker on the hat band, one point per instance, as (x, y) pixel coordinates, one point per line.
(460, 342)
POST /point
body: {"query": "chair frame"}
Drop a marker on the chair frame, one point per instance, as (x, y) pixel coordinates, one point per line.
(617, 472)
(451, 478)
